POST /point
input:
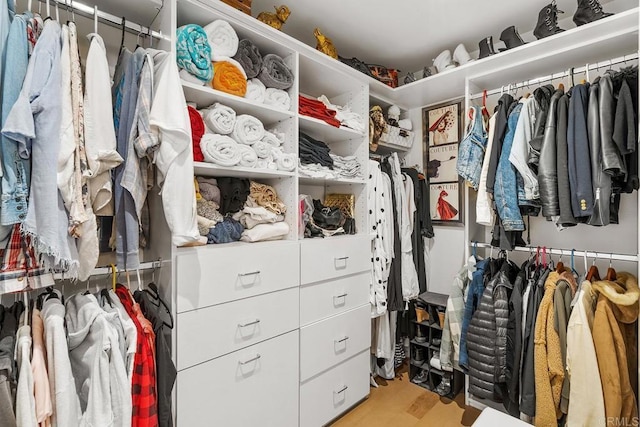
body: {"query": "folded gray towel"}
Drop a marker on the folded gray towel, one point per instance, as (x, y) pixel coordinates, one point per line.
(249, 57)
(275, 73)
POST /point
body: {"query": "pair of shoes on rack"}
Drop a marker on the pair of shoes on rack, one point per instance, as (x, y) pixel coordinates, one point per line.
(587, 11)
(444, 388)
(422, 377)
(509, 36)
(446, 61)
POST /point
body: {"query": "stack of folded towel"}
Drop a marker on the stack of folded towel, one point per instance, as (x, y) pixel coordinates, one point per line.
(346, 166)
(233, 209)
(214, 56)
(317, 161)
(241, 140)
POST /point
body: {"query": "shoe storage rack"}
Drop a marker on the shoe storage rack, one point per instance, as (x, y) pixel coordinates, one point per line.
(425, 339)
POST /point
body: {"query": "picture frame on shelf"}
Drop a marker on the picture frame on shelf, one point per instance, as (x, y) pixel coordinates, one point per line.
(442, 123)
(446, 204)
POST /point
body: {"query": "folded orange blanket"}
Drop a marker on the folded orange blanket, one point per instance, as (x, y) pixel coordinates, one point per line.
(228, 78)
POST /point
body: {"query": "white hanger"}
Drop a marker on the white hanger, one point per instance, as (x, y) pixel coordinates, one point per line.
(586, 68)
(29, 5)
(48, 9)
(139, 280)
(95, 19)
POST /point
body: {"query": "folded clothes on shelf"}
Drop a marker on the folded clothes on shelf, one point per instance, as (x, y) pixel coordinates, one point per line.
(197, 131)
(313, 151)
(229, 78)
(346, 166)
(250, 216)
(316, 109)
(226, 231)
(233, 193)
(249, 57)
(344, 115)
(209, 189)
(266, 232)
(275, 73)
(222, 38)
(265, 195)
(209, 210)
(219, 118)
(256, 91)
(193, 52)
(277, 98)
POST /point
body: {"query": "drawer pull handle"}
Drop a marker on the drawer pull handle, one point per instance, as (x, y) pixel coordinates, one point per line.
(253, 273)
(244, 325)
(342, 340)
(253, 359)
(342, 390)
(342, 258)
(340, 296)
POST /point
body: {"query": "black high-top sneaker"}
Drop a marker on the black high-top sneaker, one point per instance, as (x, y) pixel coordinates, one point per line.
(486, 47)
(589, 11)
(511, 38)
(548, 21)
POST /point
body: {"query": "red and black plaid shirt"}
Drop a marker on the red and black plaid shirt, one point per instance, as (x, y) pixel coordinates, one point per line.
(143, 387)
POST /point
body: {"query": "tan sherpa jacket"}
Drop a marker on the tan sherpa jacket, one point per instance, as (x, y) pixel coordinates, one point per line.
(616, 343)
(548, 366)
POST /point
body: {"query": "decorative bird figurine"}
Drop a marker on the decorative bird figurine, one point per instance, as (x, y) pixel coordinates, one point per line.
(275, 20)
(377, 125)
(325, 45)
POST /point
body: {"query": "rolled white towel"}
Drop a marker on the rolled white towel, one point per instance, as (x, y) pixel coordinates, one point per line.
(220, 118)
(255, 91)
(262, 232)
(279, 135)
(405, 124)
(277, 98)
(188, 77)
(247, 129)
(271, 139)
(262, 163)
(220, 58)
(284, 161)
(222, 38)
(248, 157)
(262, 149)
(220, 149)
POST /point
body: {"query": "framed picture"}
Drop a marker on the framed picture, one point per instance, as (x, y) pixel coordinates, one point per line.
(442, 123)
(441, 165)
(446, 204)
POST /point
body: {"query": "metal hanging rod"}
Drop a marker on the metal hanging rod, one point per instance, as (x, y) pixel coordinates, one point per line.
(592, 254)
(107, 18)
(102, 271)
(562, 74)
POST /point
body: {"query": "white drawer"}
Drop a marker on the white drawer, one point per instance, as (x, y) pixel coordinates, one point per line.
(322, 259)
(256, 386)
(210, 332)
(324, 299)
(210, 275)
(327, 396)
(329, 342)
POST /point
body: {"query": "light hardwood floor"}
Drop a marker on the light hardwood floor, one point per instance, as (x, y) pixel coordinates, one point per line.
(400, 403)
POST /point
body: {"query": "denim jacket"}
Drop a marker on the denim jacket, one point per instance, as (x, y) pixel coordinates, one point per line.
(505, 190)
(474, 293)
(472, 149)
(15, 179)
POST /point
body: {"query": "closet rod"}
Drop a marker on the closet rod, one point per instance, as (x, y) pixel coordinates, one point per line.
(107, 18)
(101, 271)
(554, 76)
(565, 252)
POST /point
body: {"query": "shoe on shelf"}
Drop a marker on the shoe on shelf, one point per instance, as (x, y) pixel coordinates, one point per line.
(460, 55)
(443, 61)
(418, 355)
(589, 11)
(511, 38)
(444, 388)
(547, 24)
(420, 337)
(429, 71)
(436, 342)
(486, 47)
(409, 78)
(421, 377)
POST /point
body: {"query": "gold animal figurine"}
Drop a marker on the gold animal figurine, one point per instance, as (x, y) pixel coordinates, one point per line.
(275, 20)
(325, 45)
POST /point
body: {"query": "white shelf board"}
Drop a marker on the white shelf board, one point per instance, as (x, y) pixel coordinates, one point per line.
(320, 129)
(222, 246)
(336, 239)
(305, 180)
(210, 169)
(205, 96)
(607, 38)
(387, 146)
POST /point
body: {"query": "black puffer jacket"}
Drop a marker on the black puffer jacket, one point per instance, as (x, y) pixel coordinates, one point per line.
(487, 336)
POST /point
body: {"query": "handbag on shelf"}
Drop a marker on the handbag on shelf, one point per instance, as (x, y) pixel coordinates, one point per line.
(345, 202)
(356, 64)
(388, 76)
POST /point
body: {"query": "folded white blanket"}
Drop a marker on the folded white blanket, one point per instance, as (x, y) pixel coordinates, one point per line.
(188, 77)
(222, 38)
(220, 58)
(271, 139)
(262, 232)
(250, 216)
(247, 129)
(277, 98)
(248, 157)
(220, 149)
(262, 149)
(255, 91)
(219, 118)
(284, 161)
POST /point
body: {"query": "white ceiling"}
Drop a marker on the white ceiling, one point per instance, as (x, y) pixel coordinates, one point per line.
(409, 36)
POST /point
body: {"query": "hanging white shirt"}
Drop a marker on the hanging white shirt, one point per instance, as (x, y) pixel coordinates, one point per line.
(484, 209)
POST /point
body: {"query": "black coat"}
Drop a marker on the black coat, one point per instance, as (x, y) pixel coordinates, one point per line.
(514, 344)
(564, 187)
(579, 154)
(500, 128)
(542, 96)
(547, 167)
